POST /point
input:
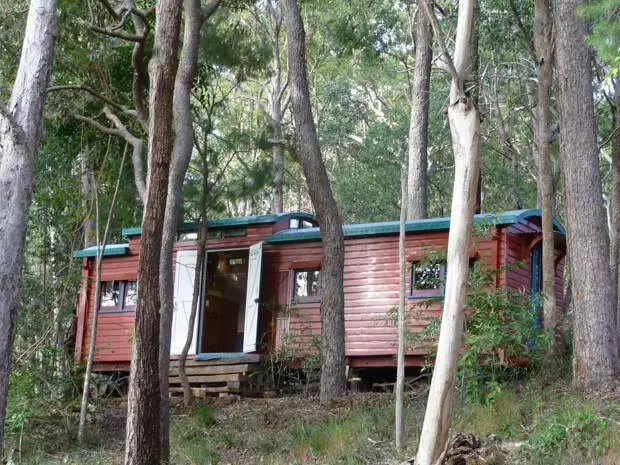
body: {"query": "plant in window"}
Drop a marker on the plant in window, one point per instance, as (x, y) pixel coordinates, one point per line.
(306, 285)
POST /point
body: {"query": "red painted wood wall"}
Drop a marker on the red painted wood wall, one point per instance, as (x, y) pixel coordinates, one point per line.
(370, 286)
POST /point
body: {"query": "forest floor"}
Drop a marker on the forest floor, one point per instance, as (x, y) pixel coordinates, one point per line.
(543, 424)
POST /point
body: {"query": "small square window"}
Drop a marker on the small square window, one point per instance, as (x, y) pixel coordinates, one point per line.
(110, 295)
(118, 296)
(427, 280)
(307, 285)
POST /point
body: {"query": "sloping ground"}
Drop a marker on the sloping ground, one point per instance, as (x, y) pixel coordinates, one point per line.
(550, 424)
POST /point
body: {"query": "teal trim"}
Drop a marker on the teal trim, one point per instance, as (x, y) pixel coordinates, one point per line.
(219, 355)
(231, 222)
(110, 251)
(392, 227)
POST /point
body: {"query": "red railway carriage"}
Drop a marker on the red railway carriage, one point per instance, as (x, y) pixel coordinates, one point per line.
(261, 284)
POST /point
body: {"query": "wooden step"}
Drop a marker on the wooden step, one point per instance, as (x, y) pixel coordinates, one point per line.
(248, 358)
(201, 391)
(196, 379)
(213, 370)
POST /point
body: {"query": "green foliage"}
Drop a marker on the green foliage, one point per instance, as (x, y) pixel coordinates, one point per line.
(288, 370)
(604, 36)
(579, 429)
(500, 339)
(204, 415)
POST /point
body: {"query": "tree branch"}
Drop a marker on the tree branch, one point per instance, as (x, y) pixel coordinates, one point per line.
(136, 156)
(116, 33)
(442, 44)
(120, 130)
(209, 10)
(137, 60)
(95, 94)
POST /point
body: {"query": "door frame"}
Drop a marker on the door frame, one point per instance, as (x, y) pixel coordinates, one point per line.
(201, 303)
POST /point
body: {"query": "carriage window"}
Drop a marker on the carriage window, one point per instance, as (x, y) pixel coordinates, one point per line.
(118, 296)
(307, 285)
(110, 295)
(297, 223)
(427, 280)
(131, 294)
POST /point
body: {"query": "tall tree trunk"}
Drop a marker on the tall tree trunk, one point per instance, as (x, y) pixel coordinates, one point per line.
(275, 110)
(595, 357)
(542, 45)
(20, 131)
(200, 261)
(101, 243)
(399, 387)
(474, 85)
(465, 131)
(181, 156)
(615, 203)
(309, 156)
(200, 265)
(86, 178)
(418, 123)
(143, 418)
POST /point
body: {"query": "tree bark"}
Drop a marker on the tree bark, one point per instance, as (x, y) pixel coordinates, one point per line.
(275, 111)
(465, 131)
(143, 443)
(20, 131)
(181, 156)
(542, 45)
(86, 178)
(399, 387)
(614, 232)
(311, 161)
(595, 357)
(418, 123)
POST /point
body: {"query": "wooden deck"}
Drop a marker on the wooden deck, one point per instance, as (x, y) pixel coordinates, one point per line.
(242, 375)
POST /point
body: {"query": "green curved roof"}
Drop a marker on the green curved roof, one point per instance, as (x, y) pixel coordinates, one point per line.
(231, 222)
(392, 227)
(109, 251)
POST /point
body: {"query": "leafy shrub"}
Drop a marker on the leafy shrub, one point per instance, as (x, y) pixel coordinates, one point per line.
(204, 416)
(580, 430)
(501, 339)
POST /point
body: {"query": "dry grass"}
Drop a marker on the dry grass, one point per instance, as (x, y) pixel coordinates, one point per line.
(556, 425)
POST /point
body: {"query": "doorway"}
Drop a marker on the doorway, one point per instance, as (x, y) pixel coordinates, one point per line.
(223, 318)
(536, 283)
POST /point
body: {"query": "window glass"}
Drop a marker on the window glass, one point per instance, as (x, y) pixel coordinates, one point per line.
(307, 284)
(187, 236)
(426, 277)
(110, 294)
(235, 232)
(293, 223)
(131, 294)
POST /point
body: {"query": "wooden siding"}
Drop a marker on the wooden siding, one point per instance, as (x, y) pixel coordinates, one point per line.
(115, 330)
(370, 286)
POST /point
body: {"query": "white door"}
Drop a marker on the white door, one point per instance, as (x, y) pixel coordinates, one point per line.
(251, 300)
(184, 274)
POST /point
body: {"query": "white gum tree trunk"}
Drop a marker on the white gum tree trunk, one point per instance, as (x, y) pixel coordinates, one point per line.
(20, 130)
(465, 131)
